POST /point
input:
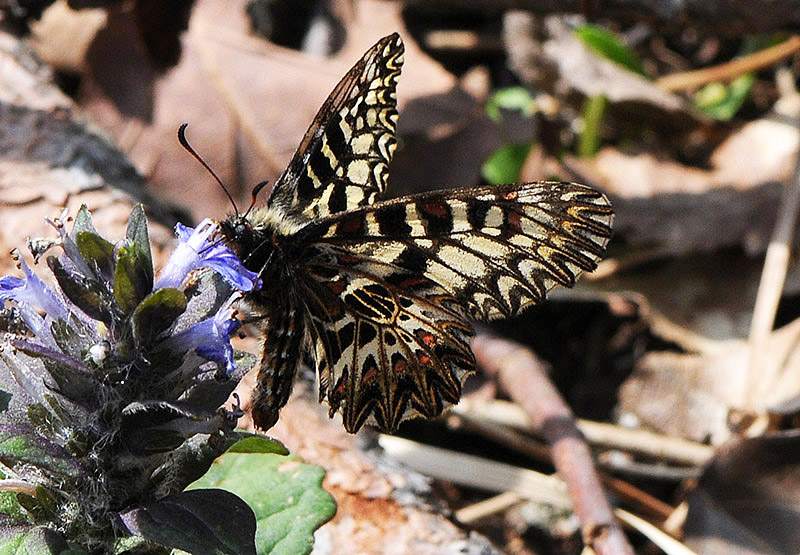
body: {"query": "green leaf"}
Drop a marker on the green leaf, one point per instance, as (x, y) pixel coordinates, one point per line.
(156, 313)
(10, 507)
(505, 164)
(98, 253)
(83, 221)
(607, 45)
(510, 98)
(200, 521)
(21, 444)
(5, 400)
(86, 294)
(259, 444)
(34, 541)
(132, 279)
(139, 238)
(722, 102)
(285, 494)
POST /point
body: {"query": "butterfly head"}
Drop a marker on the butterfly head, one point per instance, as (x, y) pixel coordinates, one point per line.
(251, 244)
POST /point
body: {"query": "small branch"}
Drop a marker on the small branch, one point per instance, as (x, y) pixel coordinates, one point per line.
(638, 498)
(642, 442)
(487, 507)
(730, 70)
(524, 377)
(18, 486)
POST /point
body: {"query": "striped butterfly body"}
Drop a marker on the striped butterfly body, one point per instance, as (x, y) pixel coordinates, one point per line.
(380, 293)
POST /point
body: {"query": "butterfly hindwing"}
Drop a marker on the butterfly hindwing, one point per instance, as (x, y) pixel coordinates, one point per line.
(343, 159)
(389, 343)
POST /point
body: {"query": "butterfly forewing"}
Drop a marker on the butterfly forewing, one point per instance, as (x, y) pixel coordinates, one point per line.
(495, 249)
(380, 293)
(343, 160)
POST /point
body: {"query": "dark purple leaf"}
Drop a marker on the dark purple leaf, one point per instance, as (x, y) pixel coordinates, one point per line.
(202, 521)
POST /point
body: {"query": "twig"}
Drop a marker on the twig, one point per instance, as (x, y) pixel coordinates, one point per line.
(505, 435)
(18, 486)
(638, 498)
(773, 276)
(730, 70)
(619, 463)
(662, 447)
(523, 443)
(524, 377)
(482, 509)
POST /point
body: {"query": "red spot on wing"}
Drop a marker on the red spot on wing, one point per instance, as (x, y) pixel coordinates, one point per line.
(413, 282)
(347, 259)
(514, 219)
(351, 225)
(369, 375)
(337, 286)
(436, 209)
(426, 337)
(511, 195)
(400, 366)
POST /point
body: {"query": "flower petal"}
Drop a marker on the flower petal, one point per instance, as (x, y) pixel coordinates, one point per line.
(32, 291)
(195, 251)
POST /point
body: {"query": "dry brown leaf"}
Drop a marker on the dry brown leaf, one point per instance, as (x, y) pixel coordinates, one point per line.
(49, 162)
(593, 75)
(747, 500)
(690, 395)
(248, 102)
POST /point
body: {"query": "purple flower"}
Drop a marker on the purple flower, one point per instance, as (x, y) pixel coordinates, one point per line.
(195, 251)
(32, 291)
(210, 338)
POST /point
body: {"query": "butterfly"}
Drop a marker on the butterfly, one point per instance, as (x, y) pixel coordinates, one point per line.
(380, 293)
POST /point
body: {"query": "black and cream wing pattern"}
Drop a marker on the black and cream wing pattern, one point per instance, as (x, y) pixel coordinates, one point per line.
(380, 293)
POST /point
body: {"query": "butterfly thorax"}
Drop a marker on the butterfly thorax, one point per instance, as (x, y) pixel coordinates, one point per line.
(261, 240)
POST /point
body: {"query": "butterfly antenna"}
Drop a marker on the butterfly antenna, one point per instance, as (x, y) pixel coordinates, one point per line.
(256, 190)
(185, 144)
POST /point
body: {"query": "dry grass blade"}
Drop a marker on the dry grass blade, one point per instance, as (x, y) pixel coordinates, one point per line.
(776, 264)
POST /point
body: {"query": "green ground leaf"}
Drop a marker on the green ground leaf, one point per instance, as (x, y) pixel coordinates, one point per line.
(721, 101)
(285, 494)
(607, 45)
(590, 139)
(259, 444)
(505, 164)
(510, 98)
